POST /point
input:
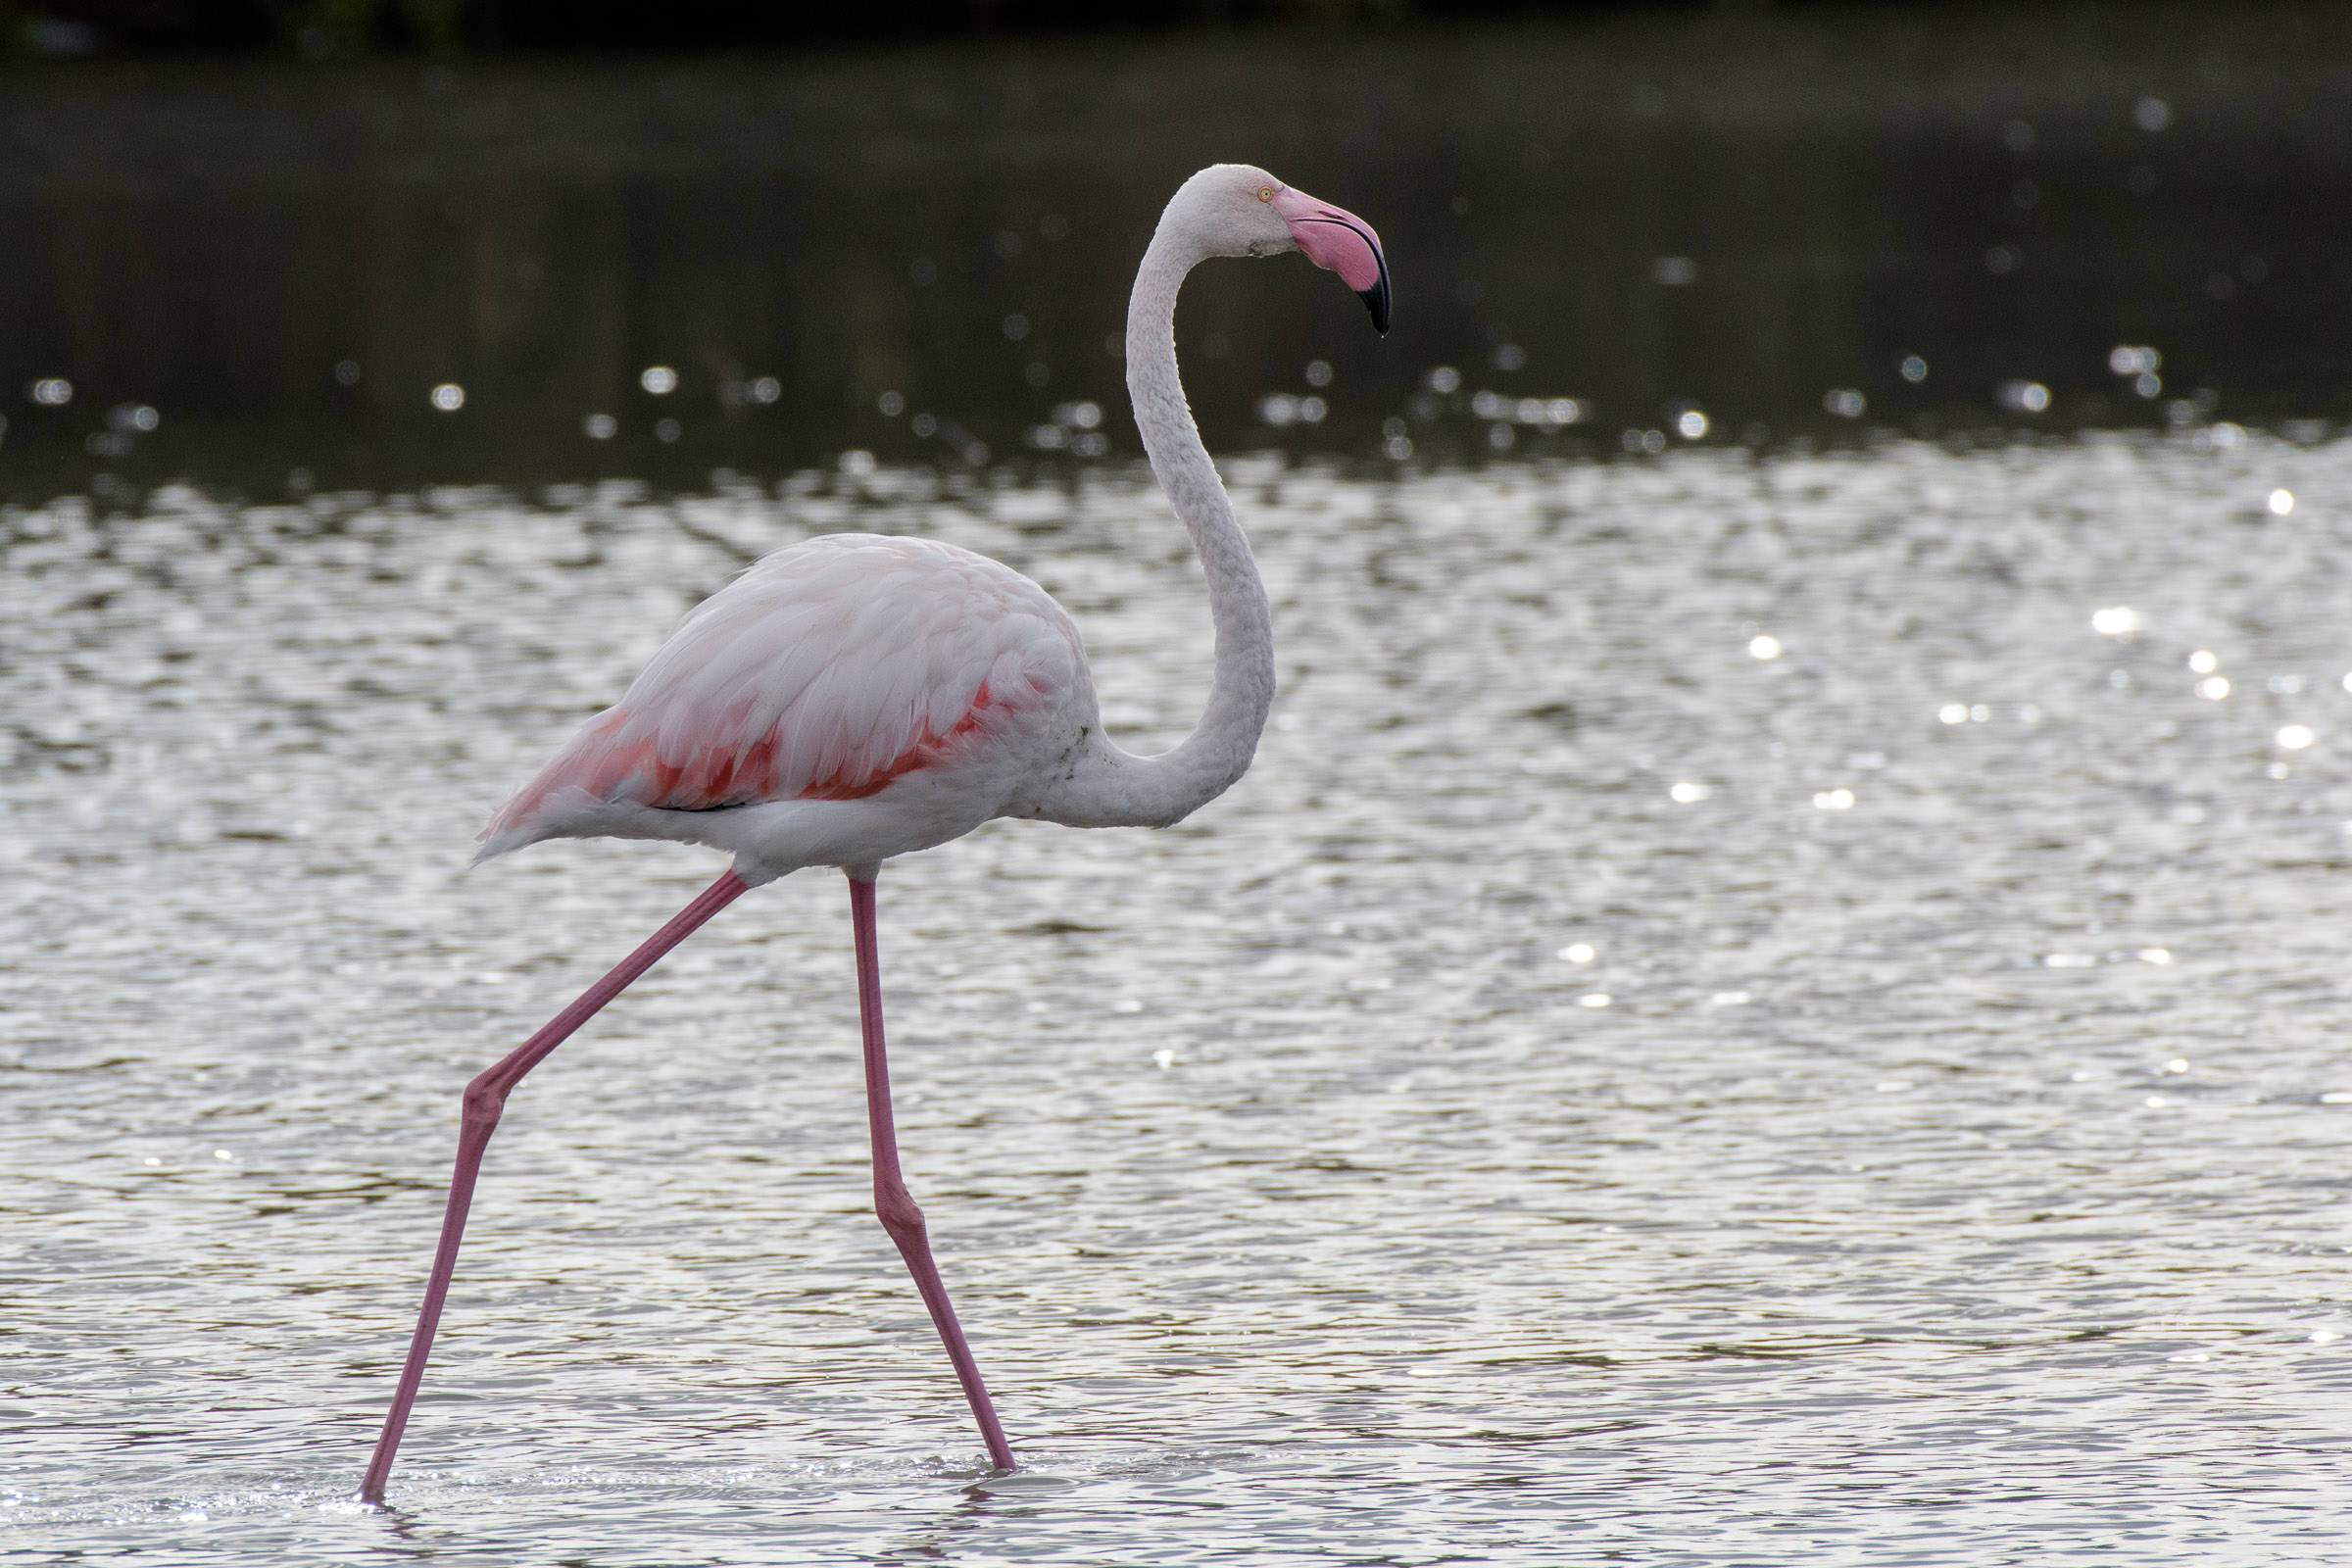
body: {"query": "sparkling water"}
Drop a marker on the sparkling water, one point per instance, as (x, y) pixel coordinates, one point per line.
(1750, 1010)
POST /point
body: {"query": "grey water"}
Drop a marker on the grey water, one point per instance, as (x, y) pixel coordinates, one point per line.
(1751, 1009)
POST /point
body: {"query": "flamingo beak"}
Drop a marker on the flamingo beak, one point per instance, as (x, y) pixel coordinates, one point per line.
(1338, 241)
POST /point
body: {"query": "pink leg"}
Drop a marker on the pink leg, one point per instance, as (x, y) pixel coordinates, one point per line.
(900, 1217)
(485, 1098)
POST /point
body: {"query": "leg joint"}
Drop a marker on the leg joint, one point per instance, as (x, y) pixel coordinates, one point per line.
(900, 1216)
(485, 1099)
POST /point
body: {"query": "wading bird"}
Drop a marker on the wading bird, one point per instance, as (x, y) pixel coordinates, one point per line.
(852, 698)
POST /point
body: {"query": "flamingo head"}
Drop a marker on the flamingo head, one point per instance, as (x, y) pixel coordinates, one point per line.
(1236, 210)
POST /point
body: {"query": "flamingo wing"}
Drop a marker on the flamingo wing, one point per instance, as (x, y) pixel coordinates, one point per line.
(828, 672)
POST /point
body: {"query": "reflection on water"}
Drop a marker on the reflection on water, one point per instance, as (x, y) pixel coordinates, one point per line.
(1644, 234)
(1748, 1011)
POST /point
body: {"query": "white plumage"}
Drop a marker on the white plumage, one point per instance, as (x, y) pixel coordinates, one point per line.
(838, 670)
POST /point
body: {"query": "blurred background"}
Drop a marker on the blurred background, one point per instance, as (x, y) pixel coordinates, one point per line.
(381, 243)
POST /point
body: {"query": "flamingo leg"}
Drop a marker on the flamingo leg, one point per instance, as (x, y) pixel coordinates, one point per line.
(485, 1098)
(893, 1204)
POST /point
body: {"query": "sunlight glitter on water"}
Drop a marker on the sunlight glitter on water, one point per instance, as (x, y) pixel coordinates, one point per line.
(1365, 1221)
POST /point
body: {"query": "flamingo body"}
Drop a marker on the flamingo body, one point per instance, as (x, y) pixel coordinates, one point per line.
(852, 697)
(847, 699)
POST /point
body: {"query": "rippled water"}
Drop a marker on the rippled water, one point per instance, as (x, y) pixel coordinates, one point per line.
(1953, 1176)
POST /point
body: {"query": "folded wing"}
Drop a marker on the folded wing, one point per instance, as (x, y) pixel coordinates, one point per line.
(828, 672)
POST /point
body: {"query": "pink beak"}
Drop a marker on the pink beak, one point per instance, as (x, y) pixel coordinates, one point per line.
(1339, 241)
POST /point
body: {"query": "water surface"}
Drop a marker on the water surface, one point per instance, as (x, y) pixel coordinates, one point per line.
(1936, 1157)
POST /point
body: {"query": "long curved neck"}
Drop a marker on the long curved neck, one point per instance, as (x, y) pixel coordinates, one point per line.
(1154, 791)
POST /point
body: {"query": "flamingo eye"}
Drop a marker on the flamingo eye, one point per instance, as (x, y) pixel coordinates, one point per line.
(1265, 193)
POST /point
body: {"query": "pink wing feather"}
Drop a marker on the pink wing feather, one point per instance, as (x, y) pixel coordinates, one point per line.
(828, 672)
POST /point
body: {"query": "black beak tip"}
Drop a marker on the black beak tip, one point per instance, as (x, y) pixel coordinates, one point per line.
(1376, 300)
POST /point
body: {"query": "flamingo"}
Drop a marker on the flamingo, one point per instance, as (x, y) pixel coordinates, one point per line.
(852, 697)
